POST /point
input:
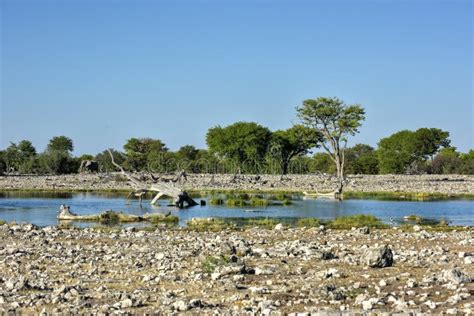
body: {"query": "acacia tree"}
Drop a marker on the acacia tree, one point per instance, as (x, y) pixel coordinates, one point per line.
(60, 143)
(336, 121)
(295, 141)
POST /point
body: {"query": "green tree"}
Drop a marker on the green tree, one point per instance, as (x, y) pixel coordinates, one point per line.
(142, 152)
(397, 152)
(12, 157)
(186, 157)
(447, 161)
(105, 163)
(21, 157)
(60, 143)
(3, 163)
(336, 121)
(293, 142)
(362, 159)
(403, 151)
(27, 150)
(467, 159)
(57, 158)
(322, 163)
(428, 141)
(244, 143)
(58, 162)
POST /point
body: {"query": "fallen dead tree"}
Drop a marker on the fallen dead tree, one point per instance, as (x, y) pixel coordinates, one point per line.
(65, 214)
(180, 198)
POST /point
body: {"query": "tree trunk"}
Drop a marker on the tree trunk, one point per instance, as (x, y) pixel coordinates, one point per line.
(284, 167)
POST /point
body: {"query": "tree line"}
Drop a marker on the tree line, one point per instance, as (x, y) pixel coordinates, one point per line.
(317, 144)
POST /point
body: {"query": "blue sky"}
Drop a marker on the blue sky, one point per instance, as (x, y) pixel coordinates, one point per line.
(104, 71)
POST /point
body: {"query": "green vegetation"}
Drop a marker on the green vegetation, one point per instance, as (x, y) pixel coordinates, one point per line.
(210, 263)
(268, 223)
(259, 202)
(248, 147)
(418, 220)
(308, 222)
(335, 122)
(404, 196)
(2, 222)
(407, 151)
(236, 202)
(360, 220)
(158, 219)
(209, 224)
(293, 142)
(216, 201)
(241, 199)
(241, 142)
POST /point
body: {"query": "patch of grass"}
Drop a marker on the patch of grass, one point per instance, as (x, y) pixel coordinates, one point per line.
(287, 202)
(405, 196)
(308, 222)
(418, 220)
(208, 224)
(255, 201)
(360, 220)
(446, 228)
(160, 218)
(266, 222)
(216, 201)
(210, 263)
(236, 202)
(237, 195)
(2, 222)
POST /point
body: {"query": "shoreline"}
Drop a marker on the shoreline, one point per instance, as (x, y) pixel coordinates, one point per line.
(442, 185)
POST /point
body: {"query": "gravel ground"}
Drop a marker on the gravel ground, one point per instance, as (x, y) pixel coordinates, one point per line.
(446, 184)
(277, 271)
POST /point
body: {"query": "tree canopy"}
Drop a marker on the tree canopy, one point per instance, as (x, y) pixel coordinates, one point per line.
(143, 153)
(403, 150)
(60, 143)
(295, 141)
(242, 142)
(335, 121)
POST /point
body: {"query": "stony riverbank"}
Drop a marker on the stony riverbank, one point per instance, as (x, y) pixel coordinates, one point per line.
(443, 184)
(273, 271)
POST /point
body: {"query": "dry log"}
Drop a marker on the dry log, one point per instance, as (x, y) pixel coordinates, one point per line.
(181, 198)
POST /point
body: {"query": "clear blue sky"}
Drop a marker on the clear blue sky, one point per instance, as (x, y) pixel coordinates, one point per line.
(101, 72)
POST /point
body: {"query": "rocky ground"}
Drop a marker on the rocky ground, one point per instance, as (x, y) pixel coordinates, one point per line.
(445, 184)
(276, 271)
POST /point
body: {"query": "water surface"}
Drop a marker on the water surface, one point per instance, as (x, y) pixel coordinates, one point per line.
(42, 208)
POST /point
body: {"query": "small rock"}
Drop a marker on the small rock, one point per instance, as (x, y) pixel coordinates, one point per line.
(380, 257)
(127, 303)
(279, 226)
(411, 283)
(180, 306)
(456, 276)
